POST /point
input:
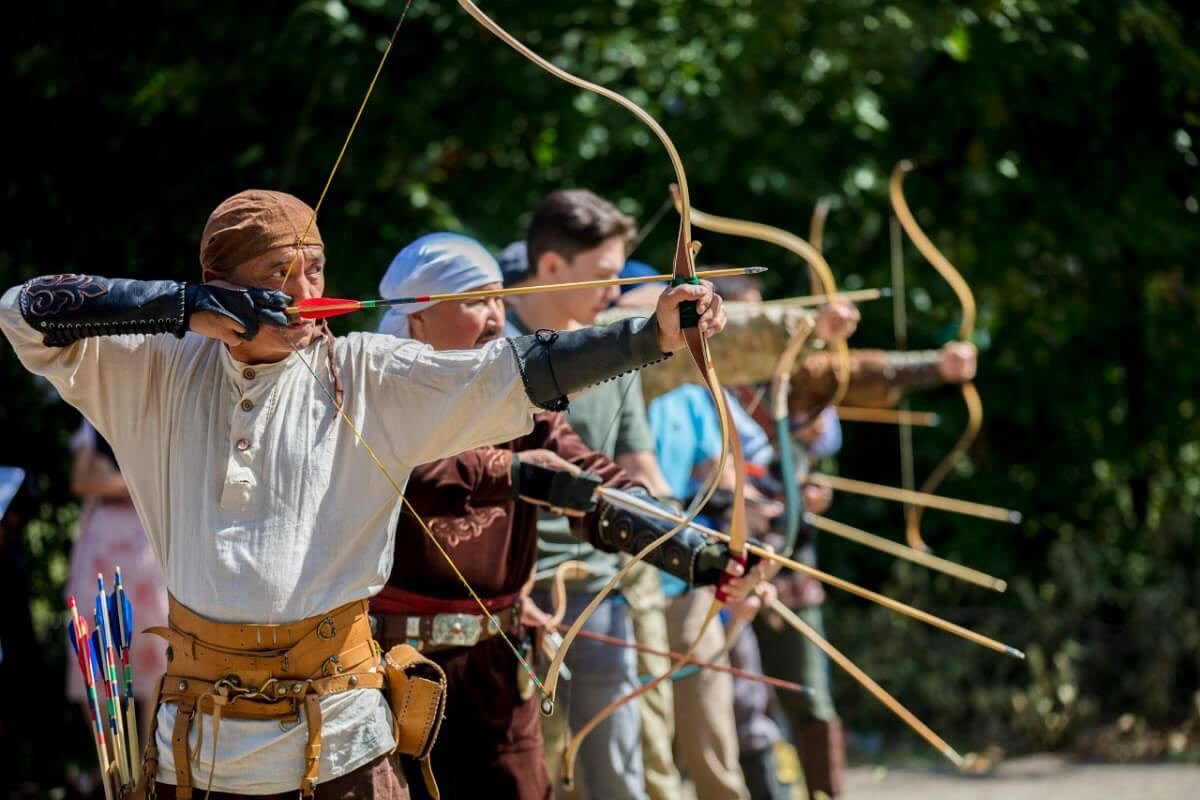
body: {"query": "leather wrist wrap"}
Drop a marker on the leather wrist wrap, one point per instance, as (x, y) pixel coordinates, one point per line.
(627, 532)
(66, 308)
(555, 488)
(555, 364)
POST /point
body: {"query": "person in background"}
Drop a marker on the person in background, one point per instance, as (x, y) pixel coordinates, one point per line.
(482, 506)
(576, 235)
(111, 535)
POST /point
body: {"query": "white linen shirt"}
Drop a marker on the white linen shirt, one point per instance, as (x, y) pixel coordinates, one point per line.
(260, 503)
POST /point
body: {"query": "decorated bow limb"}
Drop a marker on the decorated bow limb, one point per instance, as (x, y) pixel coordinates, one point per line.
(966, 328)
(617, 497)
(324, 307)
(821, 272)
(835, 655)
(684, 271)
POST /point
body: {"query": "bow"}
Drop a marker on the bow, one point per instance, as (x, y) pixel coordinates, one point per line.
(821, 276)
(684, 271)
(781, 383)
(966, 328)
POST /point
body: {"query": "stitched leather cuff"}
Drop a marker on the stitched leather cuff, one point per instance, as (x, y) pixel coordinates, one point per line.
(627, 532)
(66, 308)
(555, 364)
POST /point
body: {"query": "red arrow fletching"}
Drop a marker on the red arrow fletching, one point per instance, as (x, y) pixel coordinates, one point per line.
(323, 307)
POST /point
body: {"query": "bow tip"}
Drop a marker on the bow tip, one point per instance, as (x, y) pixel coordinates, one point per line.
(1014, 652)
(1015, 517)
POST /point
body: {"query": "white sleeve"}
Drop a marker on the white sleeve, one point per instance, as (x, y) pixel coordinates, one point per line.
(113, 380)
(431, 404)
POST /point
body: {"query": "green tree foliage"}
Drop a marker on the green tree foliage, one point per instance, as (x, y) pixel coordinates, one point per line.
(1057, 143)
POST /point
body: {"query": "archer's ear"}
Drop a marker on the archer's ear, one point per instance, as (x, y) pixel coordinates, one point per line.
(416, 326)
(549, 264)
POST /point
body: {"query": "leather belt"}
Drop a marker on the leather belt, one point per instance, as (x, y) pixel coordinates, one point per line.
(432, 632)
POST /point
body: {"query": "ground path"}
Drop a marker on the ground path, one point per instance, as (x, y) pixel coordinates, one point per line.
(1030, 777)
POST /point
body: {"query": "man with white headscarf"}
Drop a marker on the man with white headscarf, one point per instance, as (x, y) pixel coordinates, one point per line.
(482, 505)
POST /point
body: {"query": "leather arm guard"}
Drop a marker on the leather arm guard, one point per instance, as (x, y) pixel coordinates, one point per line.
(555, 488)
(555, 364)
(687, 555)
(66, 308)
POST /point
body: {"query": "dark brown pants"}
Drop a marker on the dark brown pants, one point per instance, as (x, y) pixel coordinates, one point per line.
(381, 779)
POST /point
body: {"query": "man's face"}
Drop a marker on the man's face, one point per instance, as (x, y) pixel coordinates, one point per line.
(460, 324)
(267, 271)
(602, 262)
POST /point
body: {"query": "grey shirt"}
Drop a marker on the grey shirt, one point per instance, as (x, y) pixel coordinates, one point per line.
(611, 419)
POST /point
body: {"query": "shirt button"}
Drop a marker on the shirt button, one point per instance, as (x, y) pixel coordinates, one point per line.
(247, 404)
(243, 444)
(248, 373)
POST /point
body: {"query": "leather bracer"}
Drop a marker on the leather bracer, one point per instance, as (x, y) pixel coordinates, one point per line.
(66, 308)
(555, 364)
(687, 555)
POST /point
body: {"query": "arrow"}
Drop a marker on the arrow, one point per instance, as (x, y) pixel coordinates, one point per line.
(619, 498)
(77, 632)
(323, 307)
(102, 636)
(120, 618)
(694, 663)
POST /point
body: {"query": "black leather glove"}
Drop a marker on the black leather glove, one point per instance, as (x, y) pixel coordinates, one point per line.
(709, 562)
(555, 488)
(247, 307)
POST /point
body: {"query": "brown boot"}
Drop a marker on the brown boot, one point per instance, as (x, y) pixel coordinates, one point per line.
(822, 750)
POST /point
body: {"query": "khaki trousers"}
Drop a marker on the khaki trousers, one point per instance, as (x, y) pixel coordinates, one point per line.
(705, 729)
(647, 610)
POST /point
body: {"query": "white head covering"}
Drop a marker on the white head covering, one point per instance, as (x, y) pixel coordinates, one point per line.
(437, 263)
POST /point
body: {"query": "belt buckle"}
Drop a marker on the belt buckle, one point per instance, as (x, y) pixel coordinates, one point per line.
(462, 630)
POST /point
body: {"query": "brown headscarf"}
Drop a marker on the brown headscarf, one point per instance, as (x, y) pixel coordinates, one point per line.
(252, 222)
(249, 224)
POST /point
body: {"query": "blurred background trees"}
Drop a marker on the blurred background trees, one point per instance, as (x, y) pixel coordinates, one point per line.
(1057, 143)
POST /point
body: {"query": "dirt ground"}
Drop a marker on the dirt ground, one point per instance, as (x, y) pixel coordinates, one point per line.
(1040, 776)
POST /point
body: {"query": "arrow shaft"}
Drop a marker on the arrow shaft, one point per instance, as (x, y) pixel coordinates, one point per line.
(512, 291)
(881, 492)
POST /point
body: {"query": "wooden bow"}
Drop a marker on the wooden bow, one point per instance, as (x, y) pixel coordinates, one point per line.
(966, 328)
(684, 271)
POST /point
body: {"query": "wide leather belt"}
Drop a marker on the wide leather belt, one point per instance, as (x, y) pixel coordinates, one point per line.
(433, 632)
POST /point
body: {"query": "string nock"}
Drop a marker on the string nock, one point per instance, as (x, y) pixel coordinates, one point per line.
(547, 706)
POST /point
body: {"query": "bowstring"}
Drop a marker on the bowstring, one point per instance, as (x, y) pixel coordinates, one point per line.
(395, 484)
(492, 621)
